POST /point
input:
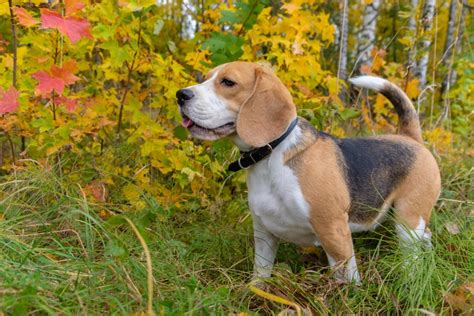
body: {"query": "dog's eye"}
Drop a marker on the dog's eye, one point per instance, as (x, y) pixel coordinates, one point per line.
(228, 83)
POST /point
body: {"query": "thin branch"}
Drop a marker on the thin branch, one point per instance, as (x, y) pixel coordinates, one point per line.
(129, 76)
(14, 42)
(254, 5)
(15, 46)
(12, 147)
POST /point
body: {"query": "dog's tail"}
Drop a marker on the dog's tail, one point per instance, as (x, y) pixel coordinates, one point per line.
(409, 124)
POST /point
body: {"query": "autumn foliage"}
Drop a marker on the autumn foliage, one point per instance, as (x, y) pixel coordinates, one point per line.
(96, 81)
(88, 87)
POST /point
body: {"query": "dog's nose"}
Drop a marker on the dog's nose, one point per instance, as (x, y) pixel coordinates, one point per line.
(184, 95)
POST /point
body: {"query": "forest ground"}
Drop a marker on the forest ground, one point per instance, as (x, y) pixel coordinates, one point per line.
(60, 257)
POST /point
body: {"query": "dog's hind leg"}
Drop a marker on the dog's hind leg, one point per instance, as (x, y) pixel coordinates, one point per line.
(414, 202)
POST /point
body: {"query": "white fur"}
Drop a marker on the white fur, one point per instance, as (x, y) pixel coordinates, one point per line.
(347, 273)
(369, 82)
(206, 108)
(410, 237)
(275, 197)
(266, 246)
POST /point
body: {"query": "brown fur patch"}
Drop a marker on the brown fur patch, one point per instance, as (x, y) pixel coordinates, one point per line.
(323, 186)
(416, 196)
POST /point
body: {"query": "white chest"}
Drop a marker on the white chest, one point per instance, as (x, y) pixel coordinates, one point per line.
(275, 197)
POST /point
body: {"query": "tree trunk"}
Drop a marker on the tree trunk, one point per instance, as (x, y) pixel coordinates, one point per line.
(342, 66)
(411, 65)
(452, 45)
(426, 22)
(366, 36)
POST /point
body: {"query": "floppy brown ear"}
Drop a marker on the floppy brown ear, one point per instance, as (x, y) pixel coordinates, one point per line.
(266, 114)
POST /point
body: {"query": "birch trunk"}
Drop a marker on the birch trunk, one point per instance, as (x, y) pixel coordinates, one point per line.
(412, 31)
(452, 44)
(426, 22)
(343, 26)
(366, 36)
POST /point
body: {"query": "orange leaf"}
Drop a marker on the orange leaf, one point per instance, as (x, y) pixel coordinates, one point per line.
(73, 6)
(9, 100)
(72, 27)
(24, 18)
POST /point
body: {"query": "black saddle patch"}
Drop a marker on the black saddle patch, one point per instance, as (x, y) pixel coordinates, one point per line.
(373, 168)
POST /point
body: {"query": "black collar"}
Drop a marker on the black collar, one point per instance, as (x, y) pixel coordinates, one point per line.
(249, 158)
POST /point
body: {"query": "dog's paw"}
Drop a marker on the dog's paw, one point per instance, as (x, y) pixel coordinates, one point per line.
(259, 283)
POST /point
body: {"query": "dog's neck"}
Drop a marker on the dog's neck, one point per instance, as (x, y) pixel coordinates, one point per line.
(254, 155)
(240, 143)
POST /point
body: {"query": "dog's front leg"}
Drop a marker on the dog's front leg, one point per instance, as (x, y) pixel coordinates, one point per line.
(266, 246)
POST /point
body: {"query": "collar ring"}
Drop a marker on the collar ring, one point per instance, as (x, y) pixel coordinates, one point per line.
(240, 164)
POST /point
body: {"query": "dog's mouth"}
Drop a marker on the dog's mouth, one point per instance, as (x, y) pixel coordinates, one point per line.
(207, 133)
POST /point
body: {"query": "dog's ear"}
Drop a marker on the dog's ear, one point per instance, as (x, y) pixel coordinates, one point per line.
(267, 112)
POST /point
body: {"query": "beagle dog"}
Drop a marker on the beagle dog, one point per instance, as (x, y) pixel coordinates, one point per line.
(308, 187)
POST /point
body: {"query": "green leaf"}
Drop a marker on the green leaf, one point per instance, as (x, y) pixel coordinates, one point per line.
(181, 133)
(349, 113)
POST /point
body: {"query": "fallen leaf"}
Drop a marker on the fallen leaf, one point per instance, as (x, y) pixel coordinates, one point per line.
(24, 18)
(9, 100)
(462, 298)
(98, 190)
(453, 228)
(72, 27)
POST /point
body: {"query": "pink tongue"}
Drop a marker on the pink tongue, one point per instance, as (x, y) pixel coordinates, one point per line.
(187, 122)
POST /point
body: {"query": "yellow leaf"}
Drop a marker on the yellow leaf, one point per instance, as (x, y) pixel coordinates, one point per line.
(275, 298)
(412, 89)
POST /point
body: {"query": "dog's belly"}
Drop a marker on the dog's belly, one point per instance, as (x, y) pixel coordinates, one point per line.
(276, 199)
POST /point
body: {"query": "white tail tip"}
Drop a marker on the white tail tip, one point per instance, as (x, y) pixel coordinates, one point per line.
(369, 82)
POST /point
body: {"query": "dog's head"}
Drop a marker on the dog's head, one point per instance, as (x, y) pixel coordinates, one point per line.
(238, 97)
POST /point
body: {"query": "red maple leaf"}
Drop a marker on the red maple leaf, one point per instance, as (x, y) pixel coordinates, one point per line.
(72, 27)
(24, 18)
(73, 6)
(56, 79)
(70, 104)
(9, 100)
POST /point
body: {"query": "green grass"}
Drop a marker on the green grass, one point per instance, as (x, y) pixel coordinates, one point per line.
(57, 256)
